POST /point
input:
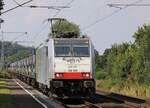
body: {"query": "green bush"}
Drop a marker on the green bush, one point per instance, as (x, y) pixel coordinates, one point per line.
(101, 74)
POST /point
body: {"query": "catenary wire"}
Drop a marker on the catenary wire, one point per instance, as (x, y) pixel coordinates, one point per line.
(69, 3)
(38, 33)
(109, 15)
(35, 36)
(16, 7)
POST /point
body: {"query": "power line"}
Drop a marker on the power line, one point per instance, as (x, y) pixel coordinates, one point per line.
(2, 42)
(109, 15)
(114, 5)
(21, 34)
(18, 37)
(16, 2)
(38, 33)
(101, 19)
(48, 7)
(16, 7)
(69, 3)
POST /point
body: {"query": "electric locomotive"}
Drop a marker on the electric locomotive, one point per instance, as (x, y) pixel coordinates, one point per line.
(63, 67)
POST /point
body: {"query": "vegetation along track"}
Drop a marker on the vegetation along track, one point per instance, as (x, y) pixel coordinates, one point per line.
(106, 100)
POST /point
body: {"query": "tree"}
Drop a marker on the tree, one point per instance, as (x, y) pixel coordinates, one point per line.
(128, 61)
(65, 29)
(14, 52)
(142, 42)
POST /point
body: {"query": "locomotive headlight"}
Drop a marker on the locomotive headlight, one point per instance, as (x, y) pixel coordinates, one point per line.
(87, 75)
(59, 75)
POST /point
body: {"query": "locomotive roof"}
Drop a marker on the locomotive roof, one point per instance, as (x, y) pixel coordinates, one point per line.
(70, 38)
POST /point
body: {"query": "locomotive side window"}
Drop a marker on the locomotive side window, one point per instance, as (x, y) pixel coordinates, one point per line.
(81, 51)
(61, 51)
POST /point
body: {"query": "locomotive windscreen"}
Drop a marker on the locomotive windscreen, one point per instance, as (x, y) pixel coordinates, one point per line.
(80, 51)
(61, 51)
(72, 48)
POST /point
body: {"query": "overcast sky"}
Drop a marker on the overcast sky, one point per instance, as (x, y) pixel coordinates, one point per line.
(115, 29)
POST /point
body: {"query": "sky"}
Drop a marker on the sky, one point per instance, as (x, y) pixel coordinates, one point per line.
(117, 28)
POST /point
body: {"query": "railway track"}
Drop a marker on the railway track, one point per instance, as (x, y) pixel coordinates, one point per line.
(129, 101)
(103, 100)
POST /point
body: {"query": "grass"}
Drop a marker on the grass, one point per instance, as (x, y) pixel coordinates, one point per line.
(127, 88)
(5, 98)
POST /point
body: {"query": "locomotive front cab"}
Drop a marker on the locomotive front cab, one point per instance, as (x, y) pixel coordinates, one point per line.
(74, 75)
